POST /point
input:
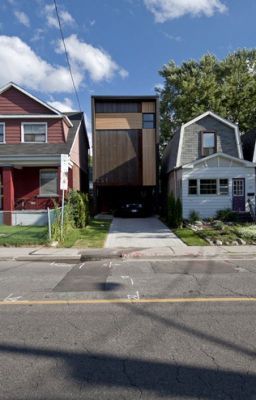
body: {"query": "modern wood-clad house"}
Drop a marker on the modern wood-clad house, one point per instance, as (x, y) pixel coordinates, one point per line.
(125, 150)
(33, 135)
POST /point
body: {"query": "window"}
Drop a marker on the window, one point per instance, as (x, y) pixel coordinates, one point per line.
(48, 182)
(192, 186)
(2, 133)
(34, 132)
(223, 188)
(208, 186)
(118, 107)
(148, 120)
(208, 143)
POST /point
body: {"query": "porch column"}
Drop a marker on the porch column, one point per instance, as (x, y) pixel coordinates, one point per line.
(8, 195)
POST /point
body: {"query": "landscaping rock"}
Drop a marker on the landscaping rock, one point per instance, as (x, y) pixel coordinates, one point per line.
(218, 242)
(241, 241)
(227, 243)
(234, 243)
(208, 240)
(198, 223)
(54, 244)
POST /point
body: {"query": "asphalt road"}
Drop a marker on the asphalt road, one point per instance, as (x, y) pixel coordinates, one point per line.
(128, 330)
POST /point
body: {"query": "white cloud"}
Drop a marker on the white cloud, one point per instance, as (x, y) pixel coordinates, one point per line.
(38, 35)
(20, 64)
(22, 18)
(52, 21)
(92, 60)
(172, 37)
(63, 106)
(164, 10)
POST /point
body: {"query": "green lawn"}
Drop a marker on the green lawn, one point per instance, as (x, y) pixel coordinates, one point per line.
(94, 235)
(23, 235)
(190, 237)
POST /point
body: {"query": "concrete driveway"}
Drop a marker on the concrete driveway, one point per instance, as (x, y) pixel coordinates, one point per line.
(141, 233)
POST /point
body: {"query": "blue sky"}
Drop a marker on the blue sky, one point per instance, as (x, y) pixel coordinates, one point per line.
(115, 46)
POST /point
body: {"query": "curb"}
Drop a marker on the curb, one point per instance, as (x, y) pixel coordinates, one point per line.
(66, 259)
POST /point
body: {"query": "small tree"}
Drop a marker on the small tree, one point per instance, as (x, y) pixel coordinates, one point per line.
(178, 213)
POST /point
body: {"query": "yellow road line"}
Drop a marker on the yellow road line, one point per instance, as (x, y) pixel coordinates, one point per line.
(118, 301)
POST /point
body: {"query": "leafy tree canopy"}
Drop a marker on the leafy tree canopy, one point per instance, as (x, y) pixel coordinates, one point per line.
(226, 87)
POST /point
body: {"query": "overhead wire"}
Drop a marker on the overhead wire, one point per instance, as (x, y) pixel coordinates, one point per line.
(66, 54)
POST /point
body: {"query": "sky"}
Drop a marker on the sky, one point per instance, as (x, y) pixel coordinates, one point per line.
(115, 47)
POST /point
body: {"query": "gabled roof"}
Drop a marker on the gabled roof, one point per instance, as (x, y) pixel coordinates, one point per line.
(20, 89)
(44, 104)
(213, 115)
(221, 155)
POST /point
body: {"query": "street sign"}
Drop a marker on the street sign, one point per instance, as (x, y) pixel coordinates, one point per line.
(63, 180)
(64, 160)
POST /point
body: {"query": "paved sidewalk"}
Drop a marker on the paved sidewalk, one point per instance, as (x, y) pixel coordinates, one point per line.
(33, 254)
(141, 233)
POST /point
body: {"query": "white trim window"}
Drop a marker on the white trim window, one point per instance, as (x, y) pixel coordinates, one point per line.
(223, 187)
(34, 132)
(192, 187)
(2, 132)
(208, 186)
(48, 182)
(205, 187)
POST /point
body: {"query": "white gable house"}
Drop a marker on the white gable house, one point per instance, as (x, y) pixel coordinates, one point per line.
(203, 165)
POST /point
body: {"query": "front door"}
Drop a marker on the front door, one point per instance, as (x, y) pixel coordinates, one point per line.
(239, 194)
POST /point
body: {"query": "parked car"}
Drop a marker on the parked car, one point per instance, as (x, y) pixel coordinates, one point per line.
(132, 210)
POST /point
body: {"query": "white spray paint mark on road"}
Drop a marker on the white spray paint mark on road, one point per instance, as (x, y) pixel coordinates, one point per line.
(10, 298)
(134, 296)
(110, 264)
(81, 266)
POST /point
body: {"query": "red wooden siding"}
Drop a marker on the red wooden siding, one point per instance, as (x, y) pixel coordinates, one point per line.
(26, 189)
(13, 130)
(12, 101)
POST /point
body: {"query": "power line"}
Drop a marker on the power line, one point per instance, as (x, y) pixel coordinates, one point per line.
(67, 57)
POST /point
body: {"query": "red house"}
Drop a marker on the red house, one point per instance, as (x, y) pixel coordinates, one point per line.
(33, 135)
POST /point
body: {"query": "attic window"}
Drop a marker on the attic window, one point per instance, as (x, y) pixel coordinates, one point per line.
(208, 143)
(34, 132)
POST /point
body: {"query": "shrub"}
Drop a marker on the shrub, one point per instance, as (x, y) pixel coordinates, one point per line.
(76, 215)
(174, 212)
(226, 215)
(79, 208)
(194, 216)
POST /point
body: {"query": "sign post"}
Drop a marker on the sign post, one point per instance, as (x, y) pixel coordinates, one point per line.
(64, 161)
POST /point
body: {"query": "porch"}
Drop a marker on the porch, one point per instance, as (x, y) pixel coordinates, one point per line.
(27, 192)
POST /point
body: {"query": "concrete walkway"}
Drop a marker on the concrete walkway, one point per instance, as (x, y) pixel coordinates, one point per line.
(141, 233)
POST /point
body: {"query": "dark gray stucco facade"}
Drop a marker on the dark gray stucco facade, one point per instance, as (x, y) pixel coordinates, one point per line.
(191, 146)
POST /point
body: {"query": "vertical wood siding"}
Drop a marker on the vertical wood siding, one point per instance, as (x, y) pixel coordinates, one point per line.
(149, 107)
(149, 157)
(12, 101)
(118, 157)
